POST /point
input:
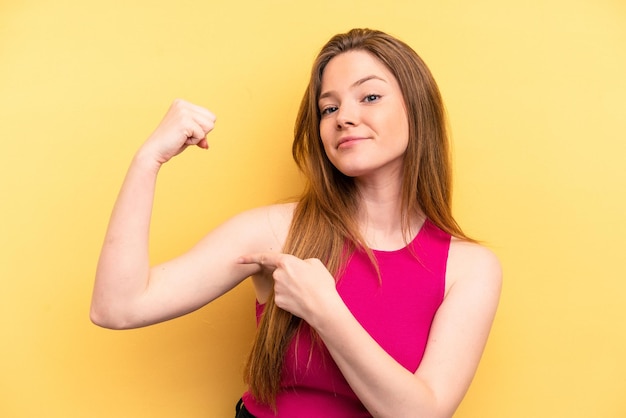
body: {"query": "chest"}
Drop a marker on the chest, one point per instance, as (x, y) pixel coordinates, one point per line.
(396, 307)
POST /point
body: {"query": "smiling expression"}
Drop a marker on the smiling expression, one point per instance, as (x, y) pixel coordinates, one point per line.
(363, 125)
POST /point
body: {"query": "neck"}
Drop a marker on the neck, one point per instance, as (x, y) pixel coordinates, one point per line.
(380, 215)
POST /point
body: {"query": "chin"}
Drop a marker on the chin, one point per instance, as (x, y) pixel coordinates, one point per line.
(353, 172)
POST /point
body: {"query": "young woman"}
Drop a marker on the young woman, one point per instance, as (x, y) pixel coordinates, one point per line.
(370, 299)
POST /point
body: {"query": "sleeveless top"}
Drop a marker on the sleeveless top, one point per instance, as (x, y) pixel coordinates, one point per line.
(396, 309)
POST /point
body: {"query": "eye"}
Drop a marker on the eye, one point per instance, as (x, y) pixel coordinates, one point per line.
(328, 110)
(371, 98)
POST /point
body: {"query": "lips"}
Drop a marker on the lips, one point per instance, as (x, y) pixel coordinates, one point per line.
(347, 140)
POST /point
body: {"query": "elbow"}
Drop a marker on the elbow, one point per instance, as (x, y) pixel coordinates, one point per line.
(100, 320)
(106, 319)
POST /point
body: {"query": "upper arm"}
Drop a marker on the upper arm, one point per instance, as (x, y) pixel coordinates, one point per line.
(210, 268)
(461, 326)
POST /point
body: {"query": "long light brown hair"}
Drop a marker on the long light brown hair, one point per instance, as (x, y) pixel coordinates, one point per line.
(324, 224)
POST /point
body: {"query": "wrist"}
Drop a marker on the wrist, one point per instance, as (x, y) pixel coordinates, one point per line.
(144, 160)
(326, 316)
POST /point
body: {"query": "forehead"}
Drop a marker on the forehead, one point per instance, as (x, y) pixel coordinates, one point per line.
(348, 67)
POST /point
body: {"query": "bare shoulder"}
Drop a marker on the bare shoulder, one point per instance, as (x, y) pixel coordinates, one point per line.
(473, 265)
(463, 321)
(260, 229)
(280, 215)
(272, 222)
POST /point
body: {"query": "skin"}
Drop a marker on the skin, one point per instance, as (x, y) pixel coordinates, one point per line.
(360, 100)
(364, 127)
(361, 104)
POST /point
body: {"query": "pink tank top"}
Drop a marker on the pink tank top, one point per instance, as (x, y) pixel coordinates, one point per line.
(397, 312)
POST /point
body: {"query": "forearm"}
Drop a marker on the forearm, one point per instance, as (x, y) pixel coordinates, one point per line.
(384, 386)
(307, 290)
(124, 267)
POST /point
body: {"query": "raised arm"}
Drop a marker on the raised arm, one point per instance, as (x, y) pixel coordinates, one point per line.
(128, 292)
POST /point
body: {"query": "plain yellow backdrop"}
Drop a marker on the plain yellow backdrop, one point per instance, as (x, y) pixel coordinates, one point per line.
(536, 96)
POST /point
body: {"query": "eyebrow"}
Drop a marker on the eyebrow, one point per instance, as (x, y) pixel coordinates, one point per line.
(355, 84)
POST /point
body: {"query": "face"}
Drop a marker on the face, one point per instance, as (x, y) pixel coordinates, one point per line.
(363, 125)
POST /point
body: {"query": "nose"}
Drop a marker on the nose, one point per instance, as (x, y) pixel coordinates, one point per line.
(346, 116)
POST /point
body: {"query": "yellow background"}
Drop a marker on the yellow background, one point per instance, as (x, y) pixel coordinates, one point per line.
(536, 94)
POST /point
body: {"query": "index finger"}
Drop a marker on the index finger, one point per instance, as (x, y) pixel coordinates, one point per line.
(271, 260)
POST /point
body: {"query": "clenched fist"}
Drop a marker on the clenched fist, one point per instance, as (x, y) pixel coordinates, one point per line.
(183, 125)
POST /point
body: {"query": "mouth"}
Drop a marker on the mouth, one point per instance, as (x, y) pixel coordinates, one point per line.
(348, 140)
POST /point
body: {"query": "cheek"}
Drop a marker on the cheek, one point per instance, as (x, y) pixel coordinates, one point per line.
(325, 135)
(401, 126)
(328, 148)
(328, 151)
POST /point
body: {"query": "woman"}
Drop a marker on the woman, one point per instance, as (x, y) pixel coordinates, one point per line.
(371, 301)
